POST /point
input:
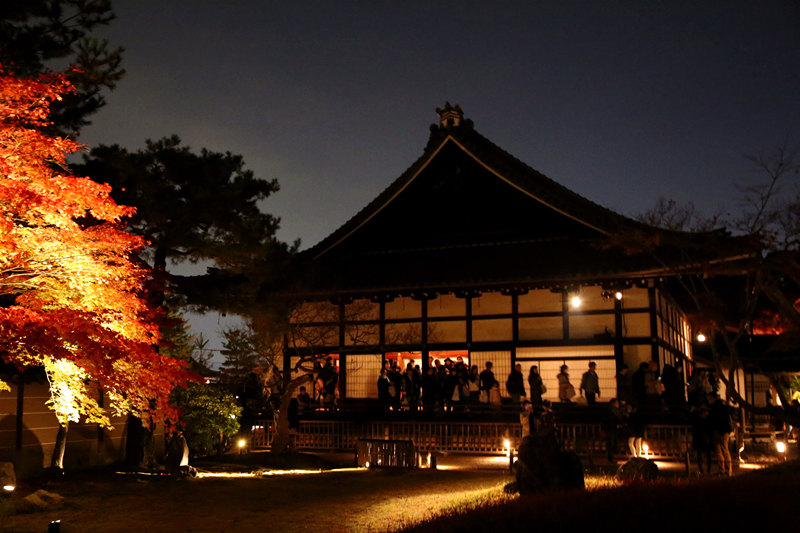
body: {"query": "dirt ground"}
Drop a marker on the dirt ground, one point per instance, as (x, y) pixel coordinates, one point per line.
(329, 501)
(314, 498)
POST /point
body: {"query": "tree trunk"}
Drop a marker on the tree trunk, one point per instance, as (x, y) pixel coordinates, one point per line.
(149, 460)
(139, 445)
(134, 442)
(282, 439)
(57, 461)
(160, 259)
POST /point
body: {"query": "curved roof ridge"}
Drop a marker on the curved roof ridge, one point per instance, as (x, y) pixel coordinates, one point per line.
(389, 192)
(531, 180)
(506, 167)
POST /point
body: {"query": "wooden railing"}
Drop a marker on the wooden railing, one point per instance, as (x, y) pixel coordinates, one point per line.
(664, 441)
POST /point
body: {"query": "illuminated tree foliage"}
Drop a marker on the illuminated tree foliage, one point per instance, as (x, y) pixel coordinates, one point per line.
(39, 35)
(70, 295)
(209, 418)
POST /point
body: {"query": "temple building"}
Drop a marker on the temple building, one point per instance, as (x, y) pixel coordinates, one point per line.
(473, 254)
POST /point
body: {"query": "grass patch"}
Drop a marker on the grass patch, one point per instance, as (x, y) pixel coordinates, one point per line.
(333, 501)
(756, 501)
(409, 500)
(475, 499)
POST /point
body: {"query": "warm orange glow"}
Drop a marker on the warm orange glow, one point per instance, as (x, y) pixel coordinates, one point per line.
(701, 337)
(267, 473)
(750, 466)
(576, 301)
(78, 299)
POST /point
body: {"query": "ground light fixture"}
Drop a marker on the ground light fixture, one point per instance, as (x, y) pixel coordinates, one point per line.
(241, 444)
(427, 460)
(509, 452)
(781, 447)
(645, 448)
(8, 479)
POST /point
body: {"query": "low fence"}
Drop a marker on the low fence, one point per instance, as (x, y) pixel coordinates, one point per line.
(663, 441)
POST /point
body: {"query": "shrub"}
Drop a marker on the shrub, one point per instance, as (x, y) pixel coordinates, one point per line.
(209, 418)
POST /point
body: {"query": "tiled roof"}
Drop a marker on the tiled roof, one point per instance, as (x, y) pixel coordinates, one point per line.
(469, 214)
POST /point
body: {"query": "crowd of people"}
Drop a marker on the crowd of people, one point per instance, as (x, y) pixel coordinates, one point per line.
(454, 386)
(712, 421)
(639, 395)
(451, 385)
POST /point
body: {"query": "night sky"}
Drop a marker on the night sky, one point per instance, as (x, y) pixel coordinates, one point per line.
(622, 102)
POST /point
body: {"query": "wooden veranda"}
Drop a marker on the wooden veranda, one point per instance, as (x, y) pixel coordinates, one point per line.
(666, 442)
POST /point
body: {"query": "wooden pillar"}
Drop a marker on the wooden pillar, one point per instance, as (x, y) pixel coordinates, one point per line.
(382, 326)
(469, 321)
(514, 327)
(424, 348)
(342, 382)
(619, 354)
(651, 296)
(342, 326)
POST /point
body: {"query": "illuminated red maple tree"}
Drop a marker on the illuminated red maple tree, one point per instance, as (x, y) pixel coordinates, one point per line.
(71, 297)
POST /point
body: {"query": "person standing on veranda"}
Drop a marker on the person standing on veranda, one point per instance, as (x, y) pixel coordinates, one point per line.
(590, 384)
(515, 384)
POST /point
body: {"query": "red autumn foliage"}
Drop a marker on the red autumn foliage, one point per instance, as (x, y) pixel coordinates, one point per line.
(71, 289)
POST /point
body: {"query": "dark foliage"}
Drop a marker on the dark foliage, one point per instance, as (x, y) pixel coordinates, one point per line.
(37, 36)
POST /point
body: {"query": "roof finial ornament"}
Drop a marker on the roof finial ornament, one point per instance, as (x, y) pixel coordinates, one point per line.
(450, 116)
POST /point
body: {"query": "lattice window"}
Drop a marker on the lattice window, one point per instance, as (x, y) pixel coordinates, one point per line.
(362, 375)
(577, 358)
(501, 366)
